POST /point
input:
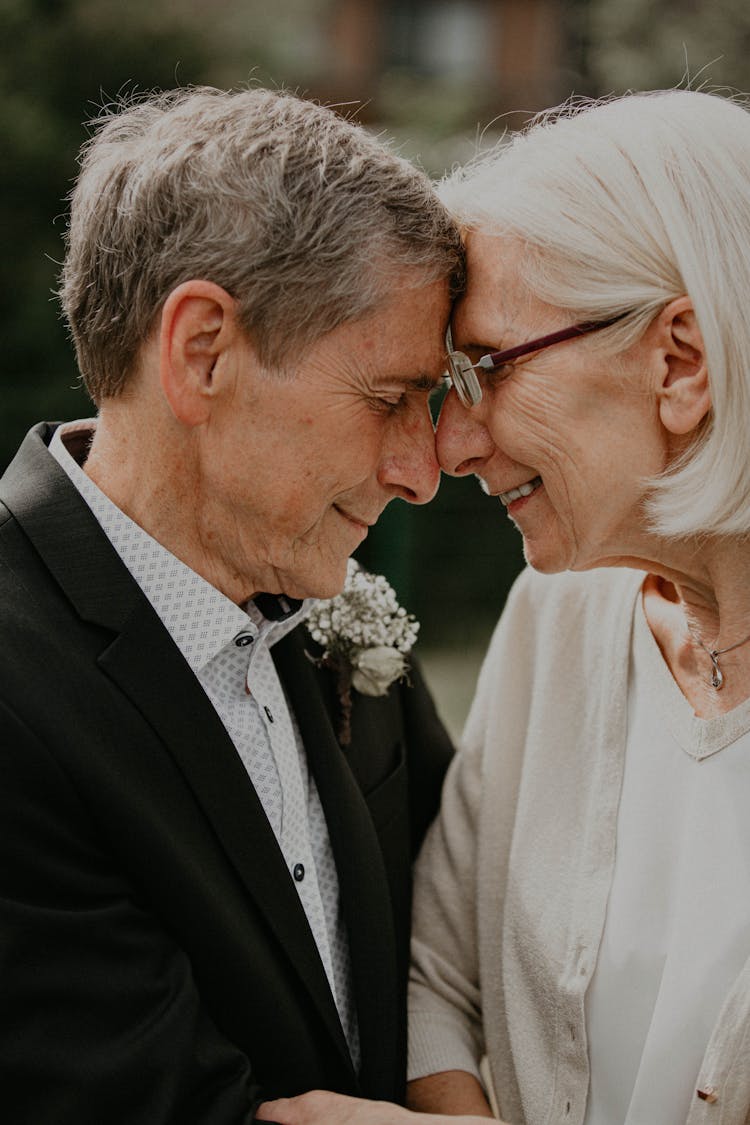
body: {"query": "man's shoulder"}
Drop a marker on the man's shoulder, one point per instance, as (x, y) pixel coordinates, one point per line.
(34, 484)
(33, 446)
(54, 560)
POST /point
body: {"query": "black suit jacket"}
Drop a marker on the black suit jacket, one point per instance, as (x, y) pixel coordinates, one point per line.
(155, 962)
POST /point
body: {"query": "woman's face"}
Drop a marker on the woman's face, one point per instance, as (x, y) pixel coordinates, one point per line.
(566, 437)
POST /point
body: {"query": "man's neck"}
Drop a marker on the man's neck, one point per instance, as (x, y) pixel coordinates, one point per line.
(141, 469)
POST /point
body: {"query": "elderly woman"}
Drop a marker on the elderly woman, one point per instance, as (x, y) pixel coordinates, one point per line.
(582, 914)
(583, 905)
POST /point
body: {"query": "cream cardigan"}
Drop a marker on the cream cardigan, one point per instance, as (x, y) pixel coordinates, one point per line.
(513, 879)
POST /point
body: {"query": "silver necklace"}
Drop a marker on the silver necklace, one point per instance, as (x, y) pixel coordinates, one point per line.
(717, 676)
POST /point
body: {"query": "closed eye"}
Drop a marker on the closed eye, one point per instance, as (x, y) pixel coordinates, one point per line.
(422, 388)
(387, 404)
(495, 375)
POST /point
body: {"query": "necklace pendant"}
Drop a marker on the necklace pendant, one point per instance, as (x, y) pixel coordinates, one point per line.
(717, 678)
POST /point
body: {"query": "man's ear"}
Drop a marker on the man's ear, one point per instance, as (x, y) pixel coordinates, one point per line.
(197, 325)
(683, 391)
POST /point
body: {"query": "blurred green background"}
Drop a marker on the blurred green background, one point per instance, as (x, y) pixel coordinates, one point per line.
(438, 76)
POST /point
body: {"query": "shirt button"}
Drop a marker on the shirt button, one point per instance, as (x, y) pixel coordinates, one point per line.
(242, 640)
(298, 872)
(269, 714)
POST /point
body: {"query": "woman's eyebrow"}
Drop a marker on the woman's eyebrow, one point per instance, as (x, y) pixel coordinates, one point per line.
(482, 348)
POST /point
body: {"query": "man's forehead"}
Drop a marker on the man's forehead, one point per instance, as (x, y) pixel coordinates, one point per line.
(401, 343)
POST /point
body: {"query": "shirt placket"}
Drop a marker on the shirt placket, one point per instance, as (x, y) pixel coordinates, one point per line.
(293, 836)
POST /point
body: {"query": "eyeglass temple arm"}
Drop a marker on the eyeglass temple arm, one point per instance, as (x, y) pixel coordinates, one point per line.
(494, 359)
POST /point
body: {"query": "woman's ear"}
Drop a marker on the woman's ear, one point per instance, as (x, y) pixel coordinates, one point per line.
(197, 325)
(683, 391)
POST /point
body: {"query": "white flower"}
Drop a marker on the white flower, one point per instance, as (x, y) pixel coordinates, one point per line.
(365, 631)
(375, 669)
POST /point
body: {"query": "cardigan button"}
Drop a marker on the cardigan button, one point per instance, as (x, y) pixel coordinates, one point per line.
(707, 1094)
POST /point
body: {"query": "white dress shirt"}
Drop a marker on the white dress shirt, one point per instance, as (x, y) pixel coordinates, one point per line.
(677, 929)
(228, 649)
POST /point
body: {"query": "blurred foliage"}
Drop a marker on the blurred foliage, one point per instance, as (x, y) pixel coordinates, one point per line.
(650, 44)
(60, 60)
(452, 562)
(59, 63)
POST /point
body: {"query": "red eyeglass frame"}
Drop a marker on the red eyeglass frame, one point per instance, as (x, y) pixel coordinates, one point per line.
(493, 360)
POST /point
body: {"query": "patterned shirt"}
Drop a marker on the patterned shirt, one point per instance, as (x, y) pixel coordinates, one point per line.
(228, 648)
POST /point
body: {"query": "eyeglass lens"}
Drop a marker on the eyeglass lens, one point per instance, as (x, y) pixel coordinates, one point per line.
(464, 379)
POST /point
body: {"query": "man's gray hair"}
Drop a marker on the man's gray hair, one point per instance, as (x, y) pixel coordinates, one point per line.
(624, 205)
(300, 215)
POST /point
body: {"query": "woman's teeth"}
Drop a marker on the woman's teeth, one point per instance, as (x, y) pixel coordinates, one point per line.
(507, 498)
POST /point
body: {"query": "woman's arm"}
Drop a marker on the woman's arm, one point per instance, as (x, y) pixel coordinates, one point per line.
(452, 1092)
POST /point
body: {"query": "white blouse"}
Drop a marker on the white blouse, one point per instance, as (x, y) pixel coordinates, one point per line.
(677, 927)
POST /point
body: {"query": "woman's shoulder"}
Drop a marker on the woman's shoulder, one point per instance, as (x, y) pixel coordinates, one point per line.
(545, 611)
(590, 590)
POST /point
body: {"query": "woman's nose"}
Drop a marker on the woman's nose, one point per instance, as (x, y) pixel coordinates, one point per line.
(462, 440)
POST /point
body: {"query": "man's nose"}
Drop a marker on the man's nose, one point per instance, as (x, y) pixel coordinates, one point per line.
(409, 466)
(463, 442)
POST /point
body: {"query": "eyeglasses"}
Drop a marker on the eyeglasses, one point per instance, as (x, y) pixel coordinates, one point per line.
(463, 373)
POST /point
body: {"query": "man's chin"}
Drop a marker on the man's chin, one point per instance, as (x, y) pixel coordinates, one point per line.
(323, 583)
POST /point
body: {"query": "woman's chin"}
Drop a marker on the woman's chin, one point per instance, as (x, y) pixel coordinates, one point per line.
(546, 556)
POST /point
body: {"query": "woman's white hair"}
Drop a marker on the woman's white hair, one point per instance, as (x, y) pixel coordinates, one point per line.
(624, 205)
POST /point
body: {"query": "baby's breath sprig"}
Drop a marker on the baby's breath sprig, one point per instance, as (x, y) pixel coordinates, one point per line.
(366, 638)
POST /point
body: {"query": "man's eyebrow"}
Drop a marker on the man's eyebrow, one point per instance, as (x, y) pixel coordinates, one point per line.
(422, 382)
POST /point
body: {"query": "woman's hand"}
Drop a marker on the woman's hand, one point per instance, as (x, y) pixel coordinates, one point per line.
(321, 1107)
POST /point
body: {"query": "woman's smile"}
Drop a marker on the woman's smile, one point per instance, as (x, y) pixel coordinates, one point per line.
(521, 492)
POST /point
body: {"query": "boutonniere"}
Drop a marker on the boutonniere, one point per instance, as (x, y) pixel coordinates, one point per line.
(366, 638)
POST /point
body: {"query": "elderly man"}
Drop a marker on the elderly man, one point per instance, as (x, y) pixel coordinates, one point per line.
(204, 897)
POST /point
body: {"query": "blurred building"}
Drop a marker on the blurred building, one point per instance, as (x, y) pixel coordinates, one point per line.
(431, 71)
(504, 54)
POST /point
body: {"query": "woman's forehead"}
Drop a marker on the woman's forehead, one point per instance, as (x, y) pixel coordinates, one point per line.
(497, 297)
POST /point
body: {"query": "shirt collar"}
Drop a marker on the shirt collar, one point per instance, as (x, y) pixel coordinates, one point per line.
(199, 618)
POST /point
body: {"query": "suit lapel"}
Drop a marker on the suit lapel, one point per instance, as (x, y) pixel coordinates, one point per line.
(146, 665)
(362, 878)
(159, 684)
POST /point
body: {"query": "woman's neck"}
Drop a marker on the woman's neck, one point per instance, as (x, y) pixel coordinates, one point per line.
(703, 607)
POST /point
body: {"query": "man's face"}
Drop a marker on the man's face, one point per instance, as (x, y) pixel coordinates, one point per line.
(294, 470)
